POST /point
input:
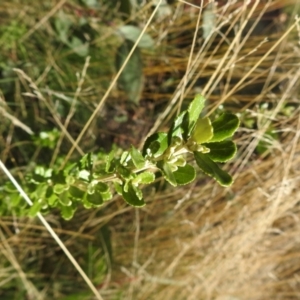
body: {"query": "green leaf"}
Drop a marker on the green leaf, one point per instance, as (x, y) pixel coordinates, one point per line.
(221, 151)
(95, 198)
(193, 113)
(224, 127)
(203, 131)
(118, 188)
(64, 198)
(67, 212)
(210, 168)
(76, 192)
(144, 178)
(131, 79)
(60, 188)
(101, 187)
(176, 129)
(110, 166)
(131, 197)
(125, 172)
(106, 195)
(156, 144)
(137, 158)
(86, 162)
(35, 208)
(166, 169)
(131, 32)
(185, 175)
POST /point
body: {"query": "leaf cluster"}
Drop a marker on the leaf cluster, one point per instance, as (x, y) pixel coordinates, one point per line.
(91, 183)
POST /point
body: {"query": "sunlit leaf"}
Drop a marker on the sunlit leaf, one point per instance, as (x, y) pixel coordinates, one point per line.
(156, 144)
(35, 208)
(144, 178)
(203, 131)
(67, 212)
(193, 114)
(166, 169)
(137, 157)
(224, 127)
(210, 168)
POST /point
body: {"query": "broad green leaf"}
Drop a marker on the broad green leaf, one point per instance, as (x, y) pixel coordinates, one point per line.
(35, 208)
(67, 212)
(194, 110)
(166, 169)
(131, 197)
(144, 178)
(221, 151)
(224, 127)
(210, 168)
(95, 198)
(132, 33)
(156, 144)
(137, 158)
(131, 79)
(185, 175)
(176, 129)
(76, 192)
(203, 131)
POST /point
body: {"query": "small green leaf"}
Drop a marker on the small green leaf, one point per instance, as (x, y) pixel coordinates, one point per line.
(106, 195)
(131, 197)
(176, 131)
(137, 158)
(118, 188)
(210, 168)
(125, 172)
(224, 127)
(60, 188)
(35, 208)
(102, 187)
(110, 166)
(221, 151)
(86, 162)
(193, 113)
(185, 175)
(64, 198)
(144, 178)
(156, 144)
(203, 131)
(95, 198)
(76, 192)
(166, 169)
(67, 212)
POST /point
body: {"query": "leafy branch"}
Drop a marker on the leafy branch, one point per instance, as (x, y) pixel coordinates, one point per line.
(90, 184)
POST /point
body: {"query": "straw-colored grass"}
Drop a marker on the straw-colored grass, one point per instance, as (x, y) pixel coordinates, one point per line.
(199, 241)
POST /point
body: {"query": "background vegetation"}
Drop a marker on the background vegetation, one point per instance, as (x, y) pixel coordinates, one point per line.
(201, 241)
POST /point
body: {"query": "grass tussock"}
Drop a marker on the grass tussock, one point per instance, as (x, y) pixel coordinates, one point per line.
(200, 241)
